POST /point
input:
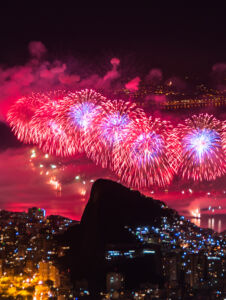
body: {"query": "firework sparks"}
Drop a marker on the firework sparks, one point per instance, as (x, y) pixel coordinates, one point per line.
(76, 114)
(20, 114)
(117, 134)
(112, 127)
(202, 151)
(142, 160)
(224, 137)
(50, 136)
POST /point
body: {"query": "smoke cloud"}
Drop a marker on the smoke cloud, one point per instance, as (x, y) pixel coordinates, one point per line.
(154, 76)
(37, 49)
(133, 85)
(40, 74)
(218, 76)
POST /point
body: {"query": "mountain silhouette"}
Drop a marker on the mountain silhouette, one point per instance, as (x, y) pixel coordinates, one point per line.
(111, 208)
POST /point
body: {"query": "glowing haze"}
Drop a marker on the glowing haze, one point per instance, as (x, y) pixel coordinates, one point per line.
(49, 104)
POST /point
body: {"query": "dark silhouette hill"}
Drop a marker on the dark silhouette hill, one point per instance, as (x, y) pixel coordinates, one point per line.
(110, 208)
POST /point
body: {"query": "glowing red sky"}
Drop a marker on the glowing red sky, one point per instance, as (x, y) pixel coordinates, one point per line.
(21, 187)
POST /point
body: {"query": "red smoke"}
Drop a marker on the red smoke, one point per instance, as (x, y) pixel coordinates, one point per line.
(39, 74)
(154, 76)
(37, 49)
(133, 85)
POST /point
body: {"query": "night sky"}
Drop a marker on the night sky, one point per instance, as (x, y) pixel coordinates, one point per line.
(176, 36)
(180, 39)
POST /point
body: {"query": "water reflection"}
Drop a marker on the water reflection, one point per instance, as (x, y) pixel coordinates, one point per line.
(211, 222)
(219, 226)
(196, 221)
(196, 216)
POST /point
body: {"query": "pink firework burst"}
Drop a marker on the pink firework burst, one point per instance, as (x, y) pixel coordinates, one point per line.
(112, 127)
(20, 114)
(203, 157)
(50, 137)
(76, 115)
(143, 159)
(224, 137)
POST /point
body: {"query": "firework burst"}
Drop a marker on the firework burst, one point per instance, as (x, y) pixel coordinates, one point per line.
(224, 137)
(50, 136)
(76, 115)
(202, 150)
(116, 134)
(20, 114)
(143, 159)
(112, 127)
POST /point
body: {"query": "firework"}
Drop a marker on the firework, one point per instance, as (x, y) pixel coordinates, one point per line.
(174, 149)
(117, 134)
(20, 114)
(202, 152)
(224, 137)
(56, 172)
(112, 127)
(50, 137)
(76, 115)
(143, 159)
(47, 167)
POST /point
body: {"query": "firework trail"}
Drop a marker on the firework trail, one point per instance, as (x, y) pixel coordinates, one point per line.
(111, 127)
(47, 167)
(20, 114)
(202, 150)
(143, 159)
(50, 136)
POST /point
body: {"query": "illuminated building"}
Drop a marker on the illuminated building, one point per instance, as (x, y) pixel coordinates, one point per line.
(215, 270)
(194, 103)
(114, 281)
(54, 276)
(43, 271)
(35, 212)
(134, 261)
(1, 267)
(30, 267)
(195, 271)
(26, 243)
(47, 271)
(171, 267)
